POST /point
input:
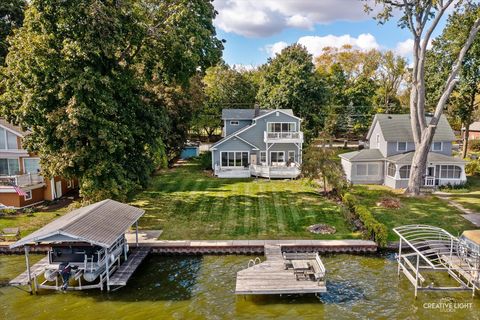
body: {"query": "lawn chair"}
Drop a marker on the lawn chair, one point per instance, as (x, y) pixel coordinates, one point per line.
(10, 234)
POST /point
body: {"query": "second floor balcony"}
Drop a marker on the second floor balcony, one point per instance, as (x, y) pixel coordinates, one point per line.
(283, 137)
(21, 180)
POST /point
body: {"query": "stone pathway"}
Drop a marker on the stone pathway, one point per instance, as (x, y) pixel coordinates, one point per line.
(470, 215)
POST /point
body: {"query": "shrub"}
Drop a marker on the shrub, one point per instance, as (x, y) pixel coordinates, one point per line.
(472, 168)
(375, 229)
(205, 160)
(474, 145)
(9, 212)
(350, 201)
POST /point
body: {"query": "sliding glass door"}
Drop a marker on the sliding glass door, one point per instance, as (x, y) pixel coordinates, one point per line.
(235, 158)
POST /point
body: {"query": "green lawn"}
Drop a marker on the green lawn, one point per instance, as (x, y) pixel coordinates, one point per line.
(188, 203)
(29, 223)
(470, 196)
(423, 210)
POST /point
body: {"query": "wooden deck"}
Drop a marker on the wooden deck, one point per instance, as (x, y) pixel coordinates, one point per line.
(463, 269)
(35, 270)
(126, 270)
(271, 277)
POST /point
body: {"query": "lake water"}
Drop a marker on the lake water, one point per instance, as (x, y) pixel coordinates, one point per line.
(194, 287)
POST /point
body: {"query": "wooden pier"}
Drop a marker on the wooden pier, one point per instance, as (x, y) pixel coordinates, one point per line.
(126, 270)
(272, 277)
(35, 270)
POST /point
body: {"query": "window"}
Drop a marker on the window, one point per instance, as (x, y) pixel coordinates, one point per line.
(370, 169)
(281, 127)
(263, 157)
(401, 146)
(277, 157)
(391, 170)
(8, 140)
(378, 141)
(291, 156)
(437, 146)
(9, 167)
(31, 165)
(405, 172)
(28, 195)
(234, 159)
(234, 123)
(450, 172)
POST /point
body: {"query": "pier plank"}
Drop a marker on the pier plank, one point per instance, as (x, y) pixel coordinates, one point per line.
(126, 270)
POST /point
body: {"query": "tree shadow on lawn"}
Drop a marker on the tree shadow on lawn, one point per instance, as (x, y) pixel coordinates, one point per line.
(284, 214)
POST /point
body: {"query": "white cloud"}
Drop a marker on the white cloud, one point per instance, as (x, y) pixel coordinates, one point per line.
(316, 44)
(261, 18)
(405, 48)
(273, 49)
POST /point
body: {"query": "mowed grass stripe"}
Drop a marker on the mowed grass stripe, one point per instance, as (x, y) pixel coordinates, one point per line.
(280, 212)
(262, 210)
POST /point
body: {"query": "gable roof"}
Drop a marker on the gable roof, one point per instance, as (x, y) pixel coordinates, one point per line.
(363, 155)
(101, 223)
(13, 128)
(235, 134)
(475, 126)
(248, 114)
(397, 127)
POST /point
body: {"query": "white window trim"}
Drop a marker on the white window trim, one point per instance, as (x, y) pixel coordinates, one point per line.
(8, 165)
(234, 122)
(288, 155)
(283, 152)
(441, 146)
(31, 158)
(406, 145)
(26, 197)
(265, 153)
(69, 183)
(242, 166)
(388, 165)
(282, 122)
(367, 170)
(400, 167)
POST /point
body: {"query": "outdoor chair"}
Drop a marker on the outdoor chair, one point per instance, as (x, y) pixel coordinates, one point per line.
(9, 234)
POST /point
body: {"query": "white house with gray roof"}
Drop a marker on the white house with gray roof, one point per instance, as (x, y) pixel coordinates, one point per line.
(258, 142)
(389, 151)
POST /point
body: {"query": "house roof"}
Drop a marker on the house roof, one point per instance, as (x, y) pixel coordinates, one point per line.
(101, 223)
(432, 157)
(475, 126)
(11, 127)
(247, 114)
(472, 235)
(397, 127)
(363, 155)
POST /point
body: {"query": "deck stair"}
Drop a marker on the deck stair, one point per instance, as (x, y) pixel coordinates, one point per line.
(126, 270)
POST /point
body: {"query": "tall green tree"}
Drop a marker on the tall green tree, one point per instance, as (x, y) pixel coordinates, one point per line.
(11, 17)
(83, 77)
(463, 102)
(422, 18)
(224, 87)
(289, 81)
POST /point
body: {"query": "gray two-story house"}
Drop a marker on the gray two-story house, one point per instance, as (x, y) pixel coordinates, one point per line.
(258, 142)
(389, 151)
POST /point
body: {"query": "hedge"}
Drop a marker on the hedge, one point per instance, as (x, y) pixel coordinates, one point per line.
(374, 228)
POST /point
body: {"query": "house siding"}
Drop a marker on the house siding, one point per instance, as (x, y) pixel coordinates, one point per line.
(229, 129)
(233, 144)
(373, 140)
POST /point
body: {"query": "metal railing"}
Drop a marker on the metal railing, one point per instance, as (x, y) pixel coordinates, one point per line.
(21, 180)
(283, 135)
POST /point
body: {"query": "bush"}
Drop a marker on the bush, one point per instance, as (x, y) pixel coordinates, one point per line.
(205, 160)
(8, 212)
(472, 168)
(350, 201)
(474, 145)
(375, 229)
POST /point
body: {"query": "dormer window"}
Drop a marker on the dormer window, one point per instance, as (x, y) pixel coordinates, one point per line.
(437, 146)
(401, 146)
(234, 123)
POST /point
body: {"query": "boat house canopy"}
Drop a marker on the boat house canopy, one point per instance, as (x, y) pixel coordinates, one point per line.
(101, 224)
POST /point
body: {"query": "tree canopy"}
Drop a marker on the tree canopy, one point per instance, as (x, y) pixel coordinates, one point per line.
(90, 80)
(11, 17)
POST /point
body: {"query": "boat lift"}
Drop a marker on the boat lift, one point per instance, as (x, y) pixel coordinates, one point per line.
(431, 248)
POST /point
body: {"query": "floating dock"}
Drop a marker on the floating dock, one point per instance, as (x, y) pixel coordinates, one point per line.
(274, 277)
(126, 270)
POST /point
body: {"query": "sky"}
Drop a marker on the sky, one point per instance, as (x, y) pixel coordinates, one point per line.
(255, 30)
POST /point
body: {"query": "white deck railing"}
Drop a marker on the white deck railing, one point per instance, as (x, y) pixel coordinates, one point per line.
(298, 136)
(22, 180)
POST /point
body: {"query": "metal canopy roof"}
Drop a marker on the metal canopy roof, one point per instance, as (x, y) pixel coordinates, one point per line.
(101, 223)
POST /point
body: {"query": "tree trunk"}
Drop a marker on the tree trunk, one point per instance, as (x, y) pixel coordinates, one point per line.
(419, 162)
(465, 140)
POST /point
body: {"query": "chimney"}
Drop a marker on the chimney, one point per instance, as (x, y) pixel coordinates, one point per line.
(257, 110)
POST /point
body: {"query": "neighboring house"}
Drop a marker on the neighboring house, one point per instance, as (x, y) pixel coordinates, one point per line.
(389, 153)
(473, 131)
(21, 183)
(258, 142)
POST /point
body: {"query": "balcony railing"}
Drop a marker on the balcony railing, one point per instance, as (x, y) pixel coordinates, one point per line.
(296, 136)
(21, 180)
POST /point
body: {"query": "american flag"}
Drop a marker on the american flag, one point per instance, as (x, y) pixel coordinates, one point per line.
(19, 191)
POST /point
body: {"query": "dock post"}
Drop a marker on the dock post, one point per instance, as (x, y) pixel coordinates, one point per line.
(28, 270)
(107, 268)
(136, 233)
(399, 257)
(416, 275)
